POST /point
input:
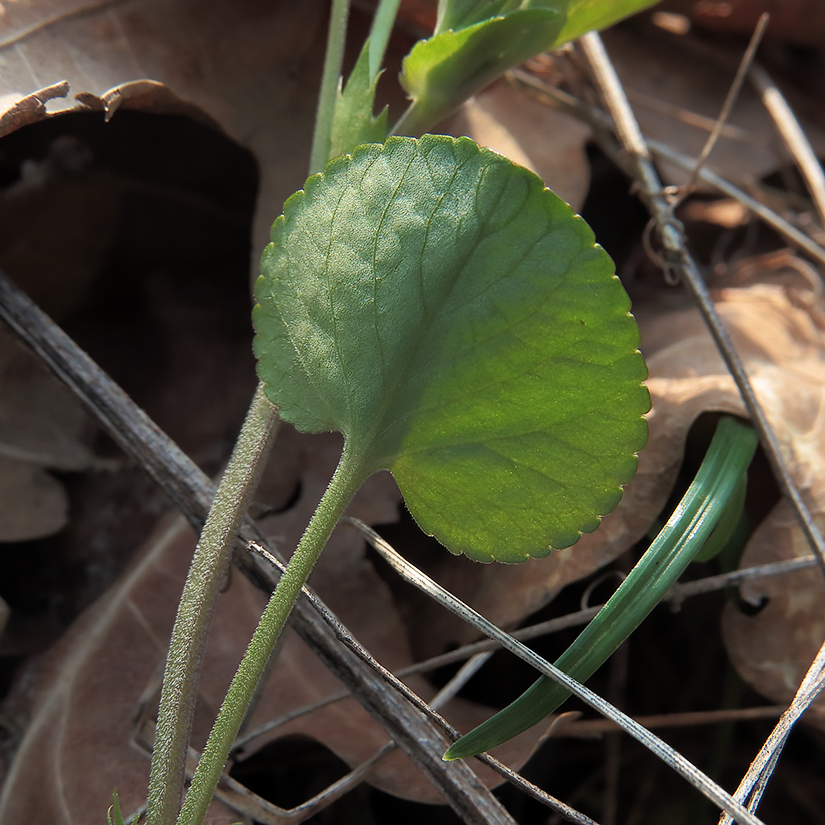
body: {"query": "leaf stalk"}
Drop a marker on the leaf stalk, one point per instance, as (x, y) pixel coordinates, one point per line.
(330, 81)
(348, 477)
(203, 583)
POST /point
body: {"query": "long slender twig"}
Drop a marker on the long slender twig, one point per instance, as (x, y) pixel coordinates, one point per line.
(601, 120)
(794, 138)
(677, 594)
(587, 728)
(755, 781)
(762, 571)
(730, 99)
(404, 715)
(678, 257)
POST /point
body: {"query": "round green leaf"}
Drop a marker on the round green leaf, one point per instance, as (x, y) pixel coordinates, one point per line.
(457, 323)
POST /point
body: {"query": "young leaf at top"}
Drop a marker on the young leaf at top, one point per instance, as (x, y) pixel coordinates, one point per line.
(476, 41)
(455, 320)
(439, 74)
(590, 15)
(458, 14)
(353, 122)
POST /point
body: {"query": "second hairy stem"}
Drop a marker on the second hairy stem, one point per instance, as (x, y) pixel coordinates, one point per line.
(347, 479)
(203, 582)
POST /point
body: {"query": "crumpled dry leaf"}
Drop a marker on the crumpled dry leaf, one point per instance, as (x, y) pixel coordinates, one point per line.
(773, 648)
(253, 69)
(780, 336)
(545, 140)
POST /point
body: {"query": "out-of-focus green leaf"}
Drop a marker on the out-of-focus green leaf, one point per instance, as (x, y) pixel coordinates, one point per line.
(439, 74)
(475, 42)
(589, 15)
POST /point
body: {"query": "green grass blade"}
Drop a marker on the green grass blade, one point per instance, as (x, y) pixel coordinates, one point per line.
(691, 524)
(728, 522)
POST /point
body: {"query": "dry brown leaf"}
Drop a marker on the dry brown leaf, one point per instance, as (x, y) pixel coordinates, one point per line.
(251, 67)
(92, 684)
(773, 648)
(547, 141)
(781, 339)
(77, 749)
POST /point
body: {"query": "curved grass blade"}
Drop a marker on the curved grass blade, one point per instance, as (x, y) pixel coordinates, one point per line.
(670, 756)
(728, 457)
(728, 524)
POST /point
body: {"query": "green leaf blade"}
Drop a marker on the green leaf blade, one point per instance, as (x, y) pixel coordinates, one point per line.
(698, 516)
(353, 122)
(457, 323)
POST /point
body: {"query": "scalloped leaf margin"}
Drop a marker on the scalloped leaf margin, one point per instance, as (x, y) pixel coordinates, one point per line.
(454, 319)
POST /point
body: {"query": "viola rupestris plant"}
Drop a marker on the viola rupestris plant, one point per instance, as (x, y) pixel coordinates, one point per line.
(450, 316)
(453, 318)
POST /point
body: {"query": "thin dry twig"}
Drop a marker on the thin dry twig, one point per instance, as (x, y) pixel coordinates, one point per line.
(601, 120)
(675, 596)
(708, 584)
(587, 728)
(730, 99)
(405, 716)
(794, 138)
(755, 781)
